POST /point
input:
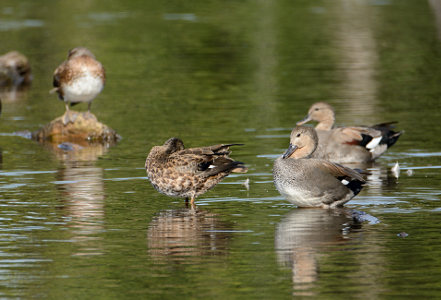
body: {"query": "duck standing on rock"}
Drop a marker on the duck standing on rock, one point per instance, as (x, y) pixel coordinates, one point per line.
(78, 79)
(357, 144)
(309, 182)
(188, 173)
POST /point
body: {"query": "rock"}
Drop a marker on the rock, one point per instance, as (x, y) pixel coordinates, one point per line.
(84, 130)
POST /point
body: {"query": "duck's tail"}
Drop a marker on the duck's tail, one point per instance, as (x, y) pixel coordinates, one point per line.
(389, 136)
(387, 139)
(222, 165)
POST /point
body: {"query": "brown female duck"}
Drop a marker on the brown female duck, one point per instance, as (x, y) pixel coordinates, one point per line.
(188, 173)
(348, 144)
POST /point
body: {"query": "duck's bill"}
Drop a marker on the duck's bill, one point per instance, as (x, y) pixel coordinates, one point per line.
(291, 149)
(305, 120)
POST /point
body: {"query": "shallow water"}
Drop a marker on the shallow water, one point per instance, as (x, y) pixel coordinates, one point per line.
(89, 224)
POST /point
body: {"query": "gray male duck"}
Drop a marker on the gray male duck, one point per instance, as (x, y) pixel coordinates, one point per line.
(309, 182)
(188, 173)
(348, 144)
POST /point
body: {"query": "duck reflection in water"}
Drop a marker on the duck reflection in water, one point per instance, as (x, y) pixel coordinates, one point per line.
(81, 185)
(178, 235)
(304, 234)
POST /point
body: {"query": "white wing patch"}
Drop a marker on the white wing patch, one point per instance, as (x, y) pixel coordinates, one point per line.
(345, 182)
(374, 143)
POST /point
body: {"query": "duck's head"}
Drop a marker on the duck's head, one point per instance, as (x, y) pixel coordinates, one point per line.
(303, 142)
(319, 112)
(173, 144)
(162, 152)
(80, 51)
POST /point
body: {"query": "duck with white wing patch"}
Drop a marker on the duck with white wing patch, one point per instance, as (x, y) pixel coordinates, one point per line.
(309, 182)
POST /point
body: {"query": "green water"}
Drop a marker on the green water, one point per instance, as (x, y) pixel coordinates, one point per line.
(90, 225)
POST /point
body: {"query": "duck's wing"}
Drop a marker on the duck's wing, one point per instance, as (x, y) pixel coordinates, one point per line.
(349, 178)
(60, 72)
(362, 136)
(389, 135)
(220, 149)
(339, 171)
(204, 161)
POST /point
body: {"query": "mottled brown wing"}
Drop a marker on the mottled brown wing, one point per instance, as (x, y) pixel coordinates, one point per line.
(58, 74)
(188, 162)
(221, 149)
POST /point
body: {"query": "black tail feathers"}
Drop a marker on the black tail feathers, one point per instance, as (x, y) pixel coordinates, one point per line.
(355, 186)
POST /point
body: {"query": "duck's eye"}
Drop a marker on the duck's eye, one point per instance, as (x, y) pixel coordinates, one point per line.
(316, 109)
(298, 135)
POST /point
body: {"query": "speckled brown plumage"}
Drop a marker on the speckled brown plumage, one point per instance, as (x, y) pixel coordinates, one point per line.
(80, 78)
(188, 173)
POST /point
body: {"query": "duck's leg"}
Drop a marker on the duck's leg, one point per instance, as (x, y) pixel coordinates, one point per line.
(69, 115)
(66, 116)
(193, 206)
(89, 105)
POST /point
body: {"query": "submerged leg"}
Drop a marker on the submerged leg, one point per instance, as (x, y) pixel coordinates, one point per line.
(193, 206)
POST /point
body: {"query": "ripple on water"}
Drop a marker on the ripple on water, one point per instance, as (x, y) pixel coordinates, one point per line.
(6, 25)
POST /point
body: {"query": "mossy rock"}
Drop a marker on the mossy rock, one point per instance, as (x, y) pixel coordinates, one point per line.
(83, 129)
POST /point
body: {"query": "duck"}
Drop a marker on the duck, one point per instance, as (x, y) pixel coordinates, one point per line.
(176, 171)
(15, 69)
(78, 79)
(312, 182)
(358, 144)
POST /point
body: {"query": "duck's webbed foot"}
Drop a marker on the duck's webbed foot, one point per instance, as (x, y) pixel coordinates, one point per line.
(69, 117)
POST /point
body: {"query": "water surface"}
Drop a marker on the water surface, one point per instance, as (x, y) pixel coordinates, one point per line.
(89, 224)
